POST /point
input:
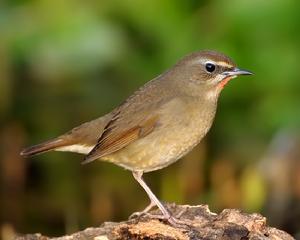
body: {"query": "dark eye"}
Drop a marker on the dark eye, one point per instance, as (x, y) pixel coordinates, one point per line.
(210, 67)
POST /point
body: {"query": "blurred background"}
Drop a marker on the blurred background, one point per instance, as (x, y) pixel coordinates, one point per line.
(66, 62)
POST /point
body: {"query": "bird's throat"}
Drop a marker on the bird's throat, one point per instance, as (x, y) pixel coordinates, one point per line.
(214, 93)
(224, 82)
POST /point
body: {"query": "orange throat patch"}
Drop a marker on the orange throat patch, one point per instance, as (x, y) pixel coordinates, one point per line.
(224, 82)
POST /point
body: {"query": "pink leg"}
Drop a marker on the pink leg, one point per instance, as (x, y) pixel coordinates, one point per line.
(138, 176)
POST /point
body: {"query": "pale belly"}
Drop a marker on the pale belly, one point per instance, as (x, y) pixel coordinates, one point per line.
(169, 142)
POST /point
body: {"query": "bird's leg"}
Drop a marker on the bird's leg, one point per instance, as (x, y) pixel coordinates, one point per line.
(138, 176)
(143, 212)
(149, 207)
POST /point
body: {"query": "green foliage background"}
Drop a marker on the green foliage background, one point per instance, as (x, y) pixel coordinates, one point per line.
(66, 62)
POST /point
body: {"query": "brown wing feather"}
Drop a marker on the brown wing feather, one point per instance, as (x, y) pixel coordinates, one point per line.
(134, 119)
(111, 142)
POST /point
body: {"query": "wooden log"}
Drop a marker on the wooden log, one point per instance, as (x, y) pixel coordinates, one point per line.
(198, 222)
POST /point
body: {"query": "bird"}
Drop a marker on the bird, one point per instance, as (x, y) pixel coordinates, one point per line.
(158, 124)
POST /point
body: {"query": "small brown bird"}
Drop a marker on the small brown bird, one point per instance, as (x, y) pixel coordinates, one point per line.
(161, 122)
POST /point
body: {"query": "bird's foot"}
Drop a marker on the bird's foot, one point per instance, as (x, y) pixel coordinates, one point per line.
(176, 222)
(137, 215)
(166, 216)
(144, 212)
(173, 221)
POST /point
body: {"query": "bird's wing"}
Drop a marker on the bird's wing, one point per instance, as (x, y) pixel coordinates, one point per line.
(134, 119)
(116, 137)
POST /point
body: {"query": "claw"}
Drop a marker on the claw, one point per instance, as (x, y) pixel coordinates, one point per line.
(144, 212)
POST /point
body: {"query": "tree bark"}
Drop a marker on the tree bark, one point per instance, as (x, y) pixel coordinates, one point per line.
(196, 222)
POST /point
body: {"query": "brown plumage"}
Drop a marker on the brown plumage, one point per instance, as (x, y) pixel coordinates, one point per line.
(159, 123)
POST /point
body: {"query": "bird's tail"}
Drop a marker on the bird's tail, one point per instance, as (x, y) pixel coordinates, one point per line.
(80, 139)
(50, 145)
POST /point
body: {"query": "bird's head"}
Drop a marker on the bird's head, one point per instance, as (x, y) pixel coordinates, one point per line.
(208, 70)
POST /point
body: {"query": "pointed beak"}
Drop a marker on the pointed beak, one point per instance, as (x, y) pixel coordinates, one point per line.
(236, 72)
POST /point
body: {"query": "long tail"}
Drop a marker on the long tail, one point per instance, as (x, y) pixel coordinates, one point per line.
(44, 147)
(80, 139)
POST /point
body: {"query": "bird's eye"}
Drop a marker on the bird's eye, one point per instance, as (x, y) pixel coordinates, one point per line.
(210, 67)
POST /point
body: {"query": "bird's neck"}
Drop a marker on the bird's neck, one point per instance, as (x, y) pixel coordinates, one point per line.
(202, 92)
(212, 93)
(189, 87)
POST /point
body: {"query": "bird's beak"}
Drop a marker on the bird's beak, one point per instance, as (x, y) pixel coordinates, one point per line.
(236, 72)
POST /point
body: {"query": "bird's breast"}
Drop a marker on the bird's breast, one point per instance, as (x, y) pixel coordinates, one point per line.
(181, 126)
